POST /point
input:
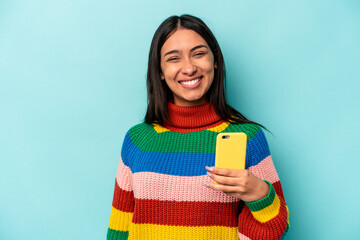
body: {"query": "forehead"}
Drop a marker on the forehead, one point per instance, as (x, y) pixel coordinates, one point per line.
(182, 40)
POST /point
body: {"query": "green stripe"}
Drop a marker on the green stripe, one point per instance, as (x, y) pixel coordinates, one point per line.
(116, 235)
(148, 140)
(265, 202)
(250, 129)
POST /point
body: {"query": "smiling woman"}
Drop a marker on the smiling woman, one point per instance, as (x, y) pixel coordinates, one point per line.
(187, 66)
(164, 187)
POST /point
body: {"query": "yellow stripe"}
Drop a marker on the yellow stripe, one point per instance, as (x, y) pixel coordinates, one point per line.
(219, 128)
(287, 211)
(269, 212)
(161, 232)
(160, 129)
(119, 220)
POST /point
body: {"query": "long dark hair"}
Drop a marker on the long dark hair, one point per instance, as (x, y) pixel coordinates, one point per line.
(159, 93)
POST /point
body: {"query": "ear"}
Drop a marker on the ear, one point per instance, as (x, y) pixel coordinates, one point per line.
(215, 65)
(162, 76)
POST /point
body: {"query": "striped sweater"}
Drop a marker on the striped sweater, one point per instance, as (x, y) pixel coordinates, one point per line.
(159, 192)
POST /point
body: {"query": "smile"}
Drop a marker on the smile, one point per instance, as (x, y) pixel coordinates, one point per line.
(190, 82)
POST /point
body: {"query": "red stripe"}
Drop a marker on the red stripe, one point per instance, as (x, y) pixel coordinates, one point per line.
(278, 189)
(186, 130)
(272, 229)
(123, 200)
(189, 119)
(187, 213)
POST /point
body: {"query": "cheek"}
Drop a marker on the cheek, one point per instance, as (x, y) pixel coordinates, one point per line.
(169, 71)
(171, 84)
(208, 65)
(209, 69)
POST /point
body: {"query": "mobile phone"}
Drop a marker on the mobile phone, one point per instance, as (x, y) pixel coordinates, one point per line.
(230, 150)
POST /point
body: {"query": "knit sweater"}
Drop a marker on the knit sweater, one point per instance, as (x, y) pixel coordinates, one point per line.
(159, 192)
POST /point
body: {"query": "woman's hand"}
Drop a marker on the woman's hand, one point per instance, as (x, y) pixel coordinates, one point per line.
(238, 183)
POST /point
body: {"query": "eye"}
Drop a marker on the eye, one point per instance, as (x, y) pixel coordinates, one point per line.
(199, 54)
(172, 59)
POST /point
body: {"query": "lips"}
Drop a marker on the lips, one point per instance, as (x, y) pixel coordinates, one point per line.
(191, 81)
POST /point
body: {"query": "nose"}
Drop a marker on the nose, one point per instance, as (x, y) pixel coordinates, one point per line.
(188, 67)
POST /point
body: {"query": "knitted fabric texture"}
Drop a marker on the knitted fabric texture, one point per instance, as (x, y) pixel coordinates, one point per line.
(159, 192)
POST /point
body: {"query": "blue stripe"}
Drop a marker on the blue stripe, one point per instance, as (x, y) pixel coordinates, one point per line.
(128, 150)
(184, 163)
(178, 164)
(257, 149)
(175, 163)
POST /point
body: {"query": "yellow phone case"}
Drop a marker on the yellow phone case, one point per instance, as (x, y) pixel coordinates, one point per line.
(230, 150)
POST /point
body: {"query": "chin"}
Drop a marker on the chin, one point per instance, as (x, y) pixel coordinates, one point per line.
(197, 100)
(193, 99)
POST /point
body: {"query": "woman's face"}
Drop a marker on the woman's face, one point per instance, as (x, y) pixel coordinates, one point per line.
(187, 66)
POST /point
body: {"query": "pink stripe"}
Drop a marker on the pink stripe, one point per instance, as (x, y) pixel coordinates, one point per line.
(176, 188)
(243, 237)
(124, 176)
(265, 170)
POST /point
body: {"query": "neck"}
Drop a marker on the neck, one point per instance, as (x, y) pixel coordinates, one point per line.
(183, 103)
(193, 118)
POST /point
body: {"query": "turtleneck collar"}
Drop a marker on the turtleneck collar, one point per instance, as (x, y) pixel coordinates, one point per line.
(190, 119)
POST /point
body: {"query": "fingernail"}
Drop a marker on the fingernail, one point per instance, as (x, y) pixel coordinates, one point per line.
(210, 169)
(208, 173)
(206, 184)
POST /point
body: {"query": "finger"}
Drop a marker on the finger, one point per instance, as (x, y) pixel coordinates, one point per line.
(227, 171)
(224, 188)
(231, 181)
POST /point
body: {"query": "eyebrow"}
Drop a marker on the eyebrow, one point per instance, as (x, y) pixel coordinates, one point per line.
(193, 49)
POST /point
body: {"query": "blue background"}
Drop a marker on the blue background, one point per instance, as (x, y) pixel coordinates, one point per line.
(72, 81)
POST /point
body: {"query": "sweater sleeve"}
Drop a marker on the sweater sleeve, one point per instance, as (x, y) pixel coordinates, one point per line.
(123, 199)
(266, 218)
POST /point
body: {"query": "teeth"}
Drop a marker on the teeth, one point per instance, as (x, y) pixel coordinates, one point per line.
(190, 82)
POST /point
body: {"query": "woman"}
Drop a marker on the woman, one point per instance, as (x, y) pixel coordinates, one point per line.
(164, 186)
